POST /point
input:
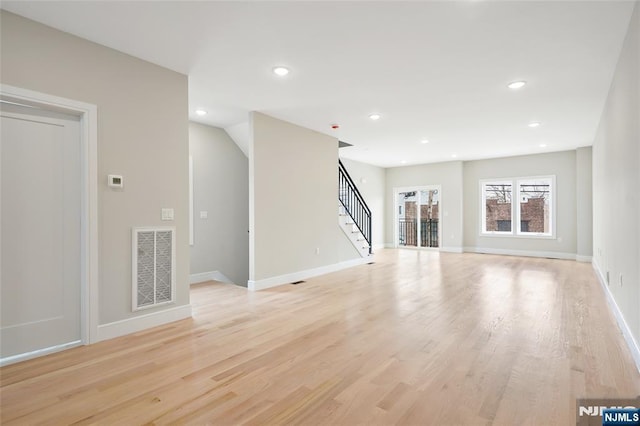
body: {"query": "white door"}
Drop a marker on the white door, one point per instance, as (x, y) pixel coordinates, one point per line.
(40, 195)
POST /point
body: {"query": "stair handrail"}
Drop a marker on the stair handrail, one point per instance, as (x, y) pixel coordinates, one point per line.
(362, 218)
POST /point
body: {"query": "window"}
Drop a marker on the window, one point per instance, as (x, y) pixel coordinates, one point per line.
(527, 202)
(504, 226)
(534, 207)
(496, 201)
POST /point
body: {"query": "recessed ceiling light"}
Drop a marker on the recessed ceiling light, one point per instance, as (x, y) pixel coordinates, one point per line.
(534, 124)
(201, 112)
(454, 155)
(281, 71)
(516, 84)
(374, 117)
(543, 145)
(403, 162)
(424, 141)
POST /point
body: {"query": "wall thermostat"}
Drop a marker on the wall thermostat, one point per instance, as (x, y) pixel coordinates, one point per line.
(115, 181)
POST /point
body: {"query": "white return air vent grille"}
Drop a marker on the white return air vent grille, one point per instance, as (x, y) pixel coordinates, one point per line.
(153, 267)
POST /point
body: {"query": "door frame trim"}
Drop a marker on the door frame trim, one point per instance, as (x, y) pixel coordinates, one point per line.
(88, 115)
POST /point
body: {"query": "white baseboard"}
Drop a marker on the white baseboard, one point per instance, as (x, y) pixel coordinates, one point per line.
(586, 259)
(209, 276)
(525, 253)
(40, 352)
(303, 275)
(142, 322)
(445, 249)
(452, 249)
(622, 324)
(200, 277)
(379, 246)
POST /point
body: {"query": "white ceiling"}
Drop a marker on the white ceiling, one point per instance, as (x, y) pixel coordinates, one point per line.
(434, 70)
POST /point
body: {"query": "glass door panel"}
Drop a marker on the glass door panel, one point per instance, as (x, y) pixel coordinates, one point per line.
(407, 205)
(429, 218)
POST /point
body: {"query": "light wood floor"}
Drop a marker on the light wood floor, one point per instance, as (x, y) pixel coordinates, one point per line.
(417, 338)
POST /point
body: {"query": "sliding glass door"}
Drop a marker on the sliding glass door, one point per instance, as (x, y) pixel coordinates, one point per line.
(418, 217)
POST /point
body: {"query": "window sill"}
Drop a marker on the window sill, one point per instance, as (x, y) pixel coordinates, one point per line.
(525, 236)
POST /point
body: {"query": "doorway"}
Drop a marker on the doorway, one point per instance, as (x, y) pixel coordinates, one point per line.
(417, 211)
(48, 224)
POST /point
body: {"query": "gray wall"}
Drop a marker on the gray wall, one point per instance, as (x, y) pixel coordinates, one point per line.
(142, 134)
(584, 204)
(293, 201)
(221, 188)
(616, 182)
(370, 181)
(560, 164)
(449, 177)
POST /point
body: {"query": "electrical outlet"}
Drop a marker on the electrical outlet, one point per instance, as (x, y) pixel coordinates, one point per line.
(317, 250)
(115, 181)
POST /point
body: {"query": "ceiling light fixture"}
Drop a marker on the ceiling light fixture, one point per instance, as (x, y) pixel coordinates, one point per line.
(543, 145)
(201, 112)
(516, 84)
(403, 162)
(454, 155)
(281, 71)
(374, 116)
(534, 124)
(424, 141)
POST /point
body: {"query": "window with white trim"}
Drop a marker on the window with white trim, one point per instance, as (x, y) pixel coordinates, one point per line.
(527, 202)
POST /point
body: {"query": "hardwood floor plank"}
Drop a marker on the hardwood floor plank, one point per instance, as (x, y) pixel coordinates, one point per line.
(394, 396)
(416, 338)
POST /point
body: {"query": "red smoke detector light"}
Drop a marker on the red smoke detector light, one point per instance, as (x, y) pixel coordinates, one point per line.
(335, 126)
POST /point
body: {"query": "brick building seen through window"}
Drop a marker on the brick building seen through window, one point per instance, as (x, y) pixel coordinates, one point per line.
(534, 215)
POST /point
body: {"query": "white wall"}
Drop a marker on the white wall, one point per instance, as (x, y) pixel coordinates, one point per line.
(221, 188)
(449, 177)
(616, 182)
(293, 200)
(370, 181)
(142, 135)
(560, 164)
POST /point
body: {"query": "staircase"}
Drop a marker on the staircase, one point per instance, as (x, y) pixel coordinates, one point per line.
(354, 216)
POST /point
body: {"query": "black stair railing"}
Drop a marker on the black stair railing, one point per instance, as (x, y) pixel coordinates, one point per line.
(354, 204)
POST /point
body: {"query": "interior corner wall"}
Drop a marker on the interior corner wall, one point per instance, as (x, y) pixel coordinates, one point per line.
(293, 207)
(370, 181)
(584, 204)
(221, 189)
(616, 183)
(142, 135)
(449, 176)
(562, 165)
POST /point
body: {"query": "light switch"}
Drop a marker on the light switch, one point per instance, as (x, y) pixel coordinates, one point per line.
(167, 214)
(204, 215)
